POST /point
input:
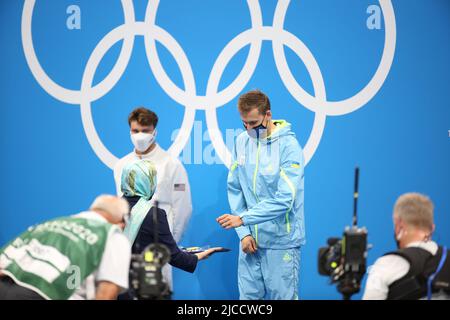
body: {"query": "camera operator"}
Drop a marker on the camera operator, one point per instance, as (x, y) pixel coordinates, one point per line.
(419, 262)
(80, 257)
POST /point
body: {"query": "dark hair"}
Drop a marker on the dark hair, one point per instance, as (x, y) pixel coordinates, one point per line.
(254, 99)
(143, 116)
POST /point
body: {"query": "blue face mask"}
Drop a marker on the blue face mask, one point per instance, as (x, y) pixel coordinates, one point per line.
(256, 132)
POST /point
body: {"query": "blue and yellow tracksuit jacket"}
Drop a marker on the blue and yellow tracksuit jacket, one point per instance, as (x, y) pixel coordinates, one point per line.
(265, 188)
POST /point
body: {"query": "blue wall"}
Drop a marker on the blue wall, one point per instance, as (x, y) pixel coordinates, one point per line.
(399, 138)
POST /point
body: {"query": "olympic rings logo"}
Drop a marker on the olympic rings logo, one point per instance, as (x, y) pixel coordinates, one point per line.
(213, 98)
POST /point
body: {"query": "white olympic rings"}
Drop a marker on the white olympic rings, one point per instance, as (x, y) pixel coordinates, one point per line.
(213, 98)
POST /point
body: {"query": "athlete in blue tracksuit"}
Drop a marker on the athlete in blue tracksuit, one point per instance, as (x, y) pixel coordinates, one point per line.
(265, 189)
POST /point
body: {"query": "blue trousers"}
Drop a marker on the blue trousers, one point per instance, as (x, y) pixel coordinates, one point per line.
(269, 274)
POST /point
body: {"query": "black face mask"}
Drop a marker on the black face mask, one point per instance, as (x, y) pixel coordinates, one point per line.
(255, 132)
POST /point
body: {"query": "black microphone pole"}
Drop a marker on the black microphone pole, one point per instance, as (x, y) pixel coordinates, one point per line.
(155, 222)
(355, 198)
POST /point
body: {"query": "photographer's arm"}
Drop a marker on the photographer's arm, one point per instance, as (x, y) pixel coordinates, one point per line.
(385, 271)
(112, 275)
(107, 291)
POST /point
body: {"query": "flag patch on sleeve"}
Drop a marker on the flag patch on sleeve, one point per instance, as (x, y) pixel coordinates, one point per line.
(179, 187)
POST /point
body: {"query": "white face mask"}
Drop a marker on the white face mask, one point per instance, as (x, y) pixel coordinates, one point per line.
(142, 141)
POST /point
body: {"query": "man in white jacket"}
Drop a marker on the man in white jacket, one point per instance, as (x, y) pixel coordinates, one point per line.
(173, 191)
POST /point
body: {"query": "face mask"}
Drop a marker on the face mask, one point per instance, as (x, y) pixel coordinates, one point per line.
(256, 131)
(142, 141)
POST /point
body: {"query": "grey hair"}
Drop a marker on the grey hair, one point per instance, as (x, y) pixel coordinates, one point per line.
(416, 210)
(115, 206)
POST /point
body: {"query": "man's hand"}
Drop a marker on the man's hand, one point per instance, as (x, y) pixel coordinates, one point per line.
(229, 221)
(205, 254)
(248, 244)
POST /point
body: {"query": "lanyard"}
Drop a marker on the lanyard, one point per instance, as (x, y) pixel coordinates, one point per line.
(431, 278)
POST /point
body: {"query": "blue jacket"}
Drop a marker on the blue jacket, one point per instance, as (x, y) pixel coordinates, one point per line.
(266, 188)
